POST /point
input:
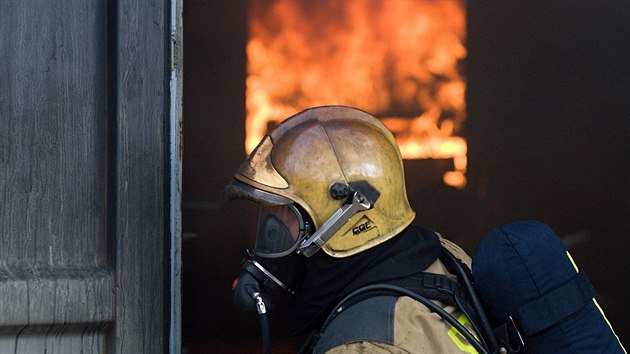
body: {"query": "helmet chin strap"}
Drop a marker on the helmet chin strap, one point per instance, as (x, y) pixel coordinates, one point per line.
(316, 241)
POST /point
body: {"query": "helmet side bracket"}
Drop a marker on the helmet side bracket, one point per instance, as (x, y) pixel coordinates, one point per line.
(363, 198)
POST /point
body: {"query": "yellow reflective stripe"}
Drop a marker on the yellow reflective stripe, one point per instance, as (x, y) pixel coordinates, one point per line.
(572, 261)
(609, 325)
(599, 307)
(459, 339)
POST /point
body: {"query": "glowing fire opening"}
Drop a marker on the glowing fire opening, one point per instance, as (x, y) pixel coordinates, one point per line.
(381, 56)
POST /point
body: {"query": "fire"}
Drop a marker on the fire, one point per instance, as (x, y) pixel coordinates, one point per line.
(399, 60)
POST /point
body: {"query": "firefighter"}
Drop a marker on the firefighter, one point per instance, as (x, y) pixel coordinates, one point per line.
(334, 221)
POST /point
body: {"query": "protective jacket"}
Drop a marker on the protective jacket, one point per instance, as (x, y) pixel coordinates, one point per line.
(386, 323)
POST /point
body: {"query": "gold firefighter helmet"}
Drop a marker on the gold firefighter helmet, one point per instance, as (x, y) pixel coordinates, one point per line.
(318, 159)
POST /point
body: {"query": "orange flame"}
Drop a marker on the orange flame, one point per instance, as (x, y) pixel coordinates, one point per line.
(399, 60)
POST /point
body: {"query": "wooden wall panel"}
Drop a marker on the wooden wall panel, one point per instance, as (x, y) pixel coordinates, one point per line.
(55, 280)
(83, 177)
(53, 134)
(142, 148)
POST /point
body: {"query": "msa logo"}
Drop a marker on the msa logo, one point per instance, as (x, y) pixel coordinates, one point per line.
(362, 227)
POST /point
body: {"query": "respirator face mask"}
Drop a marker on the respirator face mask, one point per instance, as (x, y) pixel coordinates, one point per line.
(279, 230)
(273, 264)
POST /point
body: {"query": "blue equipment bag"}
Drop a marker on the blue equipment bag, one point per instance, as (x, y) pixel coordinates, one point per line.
(535, 296)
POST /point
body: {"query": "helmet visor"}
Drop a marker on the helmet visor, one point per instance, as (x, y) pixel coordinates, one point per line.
(280, 228)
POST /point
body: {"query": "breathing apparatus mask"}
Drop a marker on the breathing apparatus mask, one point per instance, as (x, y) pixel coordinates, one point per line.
(273, 265)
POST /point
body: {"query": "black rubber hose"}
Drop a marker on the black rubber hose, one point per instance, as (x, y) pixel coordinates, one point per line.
(265, 333)
(264, 322)
(475, 302)
(473, 321)
(423, 300)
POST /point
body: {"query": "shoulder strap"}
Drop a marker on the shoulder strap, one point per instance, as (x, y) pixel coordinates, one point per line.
(432, 286)
(425, 287)
(397, 291)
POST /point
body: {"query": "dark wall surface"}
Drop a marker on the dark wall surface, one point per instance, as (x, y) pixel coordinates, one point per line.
(548, 135)
(549, 130)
